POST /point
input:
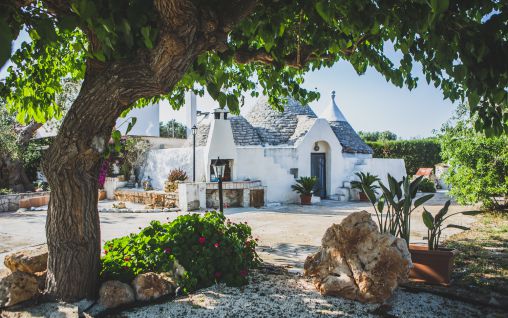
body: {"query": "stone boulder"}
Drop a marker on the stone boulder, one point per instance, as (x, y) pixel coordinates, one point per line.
(31, 260)
(150, 286)
(357, 262)
(114, 293)
(16, 287)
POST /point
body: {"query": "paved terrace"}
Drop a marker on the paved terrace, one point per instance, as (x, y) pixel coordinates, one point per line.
(287, 233)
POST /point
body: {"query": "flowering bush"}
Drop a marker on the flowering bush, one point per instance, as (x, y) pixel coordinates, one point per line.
(103, 173)
(198, 250)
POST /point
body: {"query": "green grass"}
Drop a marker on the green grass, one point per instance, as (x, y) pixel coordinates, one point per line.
(482, 263)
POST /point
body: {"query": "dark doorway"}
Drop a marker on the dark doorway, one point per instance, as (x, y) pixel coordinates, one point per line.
(318, 169)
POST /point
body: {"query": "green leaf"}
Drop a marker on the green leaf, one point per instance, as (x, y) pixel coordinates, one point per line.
(323, 10)
(145, 32)
(423, 199)
(428, 219)
(5, 42)
(465, 228)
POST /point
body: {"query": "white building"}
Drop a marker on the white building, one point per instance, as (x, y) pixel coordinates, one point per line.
(276, 148)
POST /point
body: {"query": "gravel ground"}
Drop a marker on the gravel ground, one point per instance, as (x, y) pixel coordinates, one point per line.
(290, 295)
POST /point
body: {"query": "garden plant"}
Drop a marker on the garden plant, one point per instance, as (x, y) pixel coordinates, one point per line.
(197, 250)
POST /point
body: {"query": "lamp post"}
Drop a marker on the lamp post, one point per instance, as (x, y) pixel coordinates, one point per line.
(218, 167)
(194, 131)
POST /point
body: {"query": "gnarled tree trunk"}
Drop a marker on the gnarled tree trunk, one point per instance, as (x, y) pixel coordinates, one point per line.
(72, 167)
(72, 161)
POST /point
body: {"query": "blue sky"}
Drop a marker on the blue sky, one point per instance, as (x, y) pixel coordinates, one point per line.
(368, 101)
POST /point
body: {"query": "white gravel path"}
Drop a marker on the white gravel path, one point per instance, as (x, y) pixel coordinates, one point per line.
(289, 295)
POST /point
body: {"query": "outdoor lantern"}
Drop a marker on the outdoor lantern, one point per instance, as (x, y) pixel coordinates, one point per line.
(194, 130)
(219, 167)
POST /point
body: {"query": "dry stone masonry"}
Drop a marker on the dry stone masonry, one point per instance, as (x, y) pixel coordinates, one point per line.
(357, 262)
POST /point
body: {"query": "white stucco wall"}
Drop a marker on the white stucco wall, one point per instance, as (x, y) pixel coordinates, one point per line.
(221, 144)
(382, 167)
(253, 164)
(322, 133)
(160, 162)
(147, 121)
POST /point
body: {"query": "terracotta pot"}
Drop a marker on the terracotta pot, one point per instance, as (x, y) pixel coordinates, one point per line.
(102, 195)
(432, 267)
(363, 197)
(305, 199)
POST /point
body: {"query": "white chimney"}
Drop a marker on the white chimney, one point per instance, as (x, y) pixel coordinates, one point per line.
(190, 111)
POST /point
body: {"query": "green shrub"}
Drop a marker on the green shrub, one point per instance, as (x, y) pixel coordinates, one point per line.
(427, 186)
(416, 153)
(198, 250)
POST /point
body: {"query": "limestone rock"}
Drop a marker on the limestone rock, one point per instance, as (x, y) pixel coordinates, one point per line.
(152, 286)
(114, 293)
(31, 260)
(16, 287)
(357, 262)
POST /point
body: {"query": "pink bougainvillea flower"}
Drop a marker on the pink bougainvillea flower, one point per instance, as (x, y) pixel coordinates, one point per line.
(217, 275)
(202, 240)
(105, 252)
(216, 245)
(244, 272)
(167, 250)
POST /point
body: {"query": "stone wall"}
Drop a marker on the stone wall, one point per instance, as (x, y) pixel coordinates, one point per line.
(232, 198)
(10, 202)
(158, 199)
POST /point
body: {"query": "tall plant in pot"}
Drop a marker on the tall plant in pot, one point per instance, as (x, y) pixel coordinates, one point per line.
(305, 187)
(433, 263)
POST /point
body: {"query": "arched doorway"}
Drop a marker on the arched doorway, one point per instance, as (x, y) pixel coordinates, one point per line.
(320, 167)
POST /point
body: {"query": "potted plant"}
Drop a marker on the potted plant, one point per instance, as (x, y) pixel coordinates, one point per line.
(366, 181)
(305, 187)
(433, 263)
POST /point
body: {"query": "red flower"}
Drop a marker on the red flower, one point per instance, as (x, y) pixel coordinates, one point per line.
(217, 275)
(105, 252)
(216, 245)
(127, 259)
(244, 272)
(202, 240)
(167, 250)
(127, 268)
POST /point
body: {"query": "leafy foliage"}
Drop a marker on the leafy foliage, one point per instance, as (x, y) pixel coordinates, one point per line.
(399, 200)
(478, 164)
(427, 186)
(197, 250)
(435, 224)
(305, 185)
(416, 153)
(377, 135)
(367, 181)
(173, 129)
(460, 44)
(177, 175)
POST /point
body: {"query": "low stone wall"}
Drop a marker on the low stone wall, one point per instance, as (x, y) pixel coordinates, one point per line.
(158, 199)
(10, 202)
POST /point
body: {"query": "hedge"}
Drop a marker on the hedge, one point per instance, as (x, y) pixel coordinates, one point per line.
(416, 153)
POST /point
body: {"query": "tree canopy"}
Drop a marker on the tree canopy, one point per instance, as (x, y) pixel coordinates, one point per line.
(260, 47)
(377, 135)
(478, 164)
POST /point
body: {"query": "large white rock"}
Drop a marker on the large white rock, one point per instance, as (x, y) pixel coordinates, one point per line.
(355, 261)
(30, 260)
(114, 293)
(16, 287)
(150, 286)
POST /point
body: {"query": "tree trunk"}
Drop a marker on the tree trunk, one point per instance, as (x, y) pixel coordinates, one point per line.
(71, 166)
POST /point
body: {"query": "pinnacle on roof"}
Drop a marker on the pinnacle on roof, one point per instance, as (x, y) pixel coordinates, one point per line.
(332, 112)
